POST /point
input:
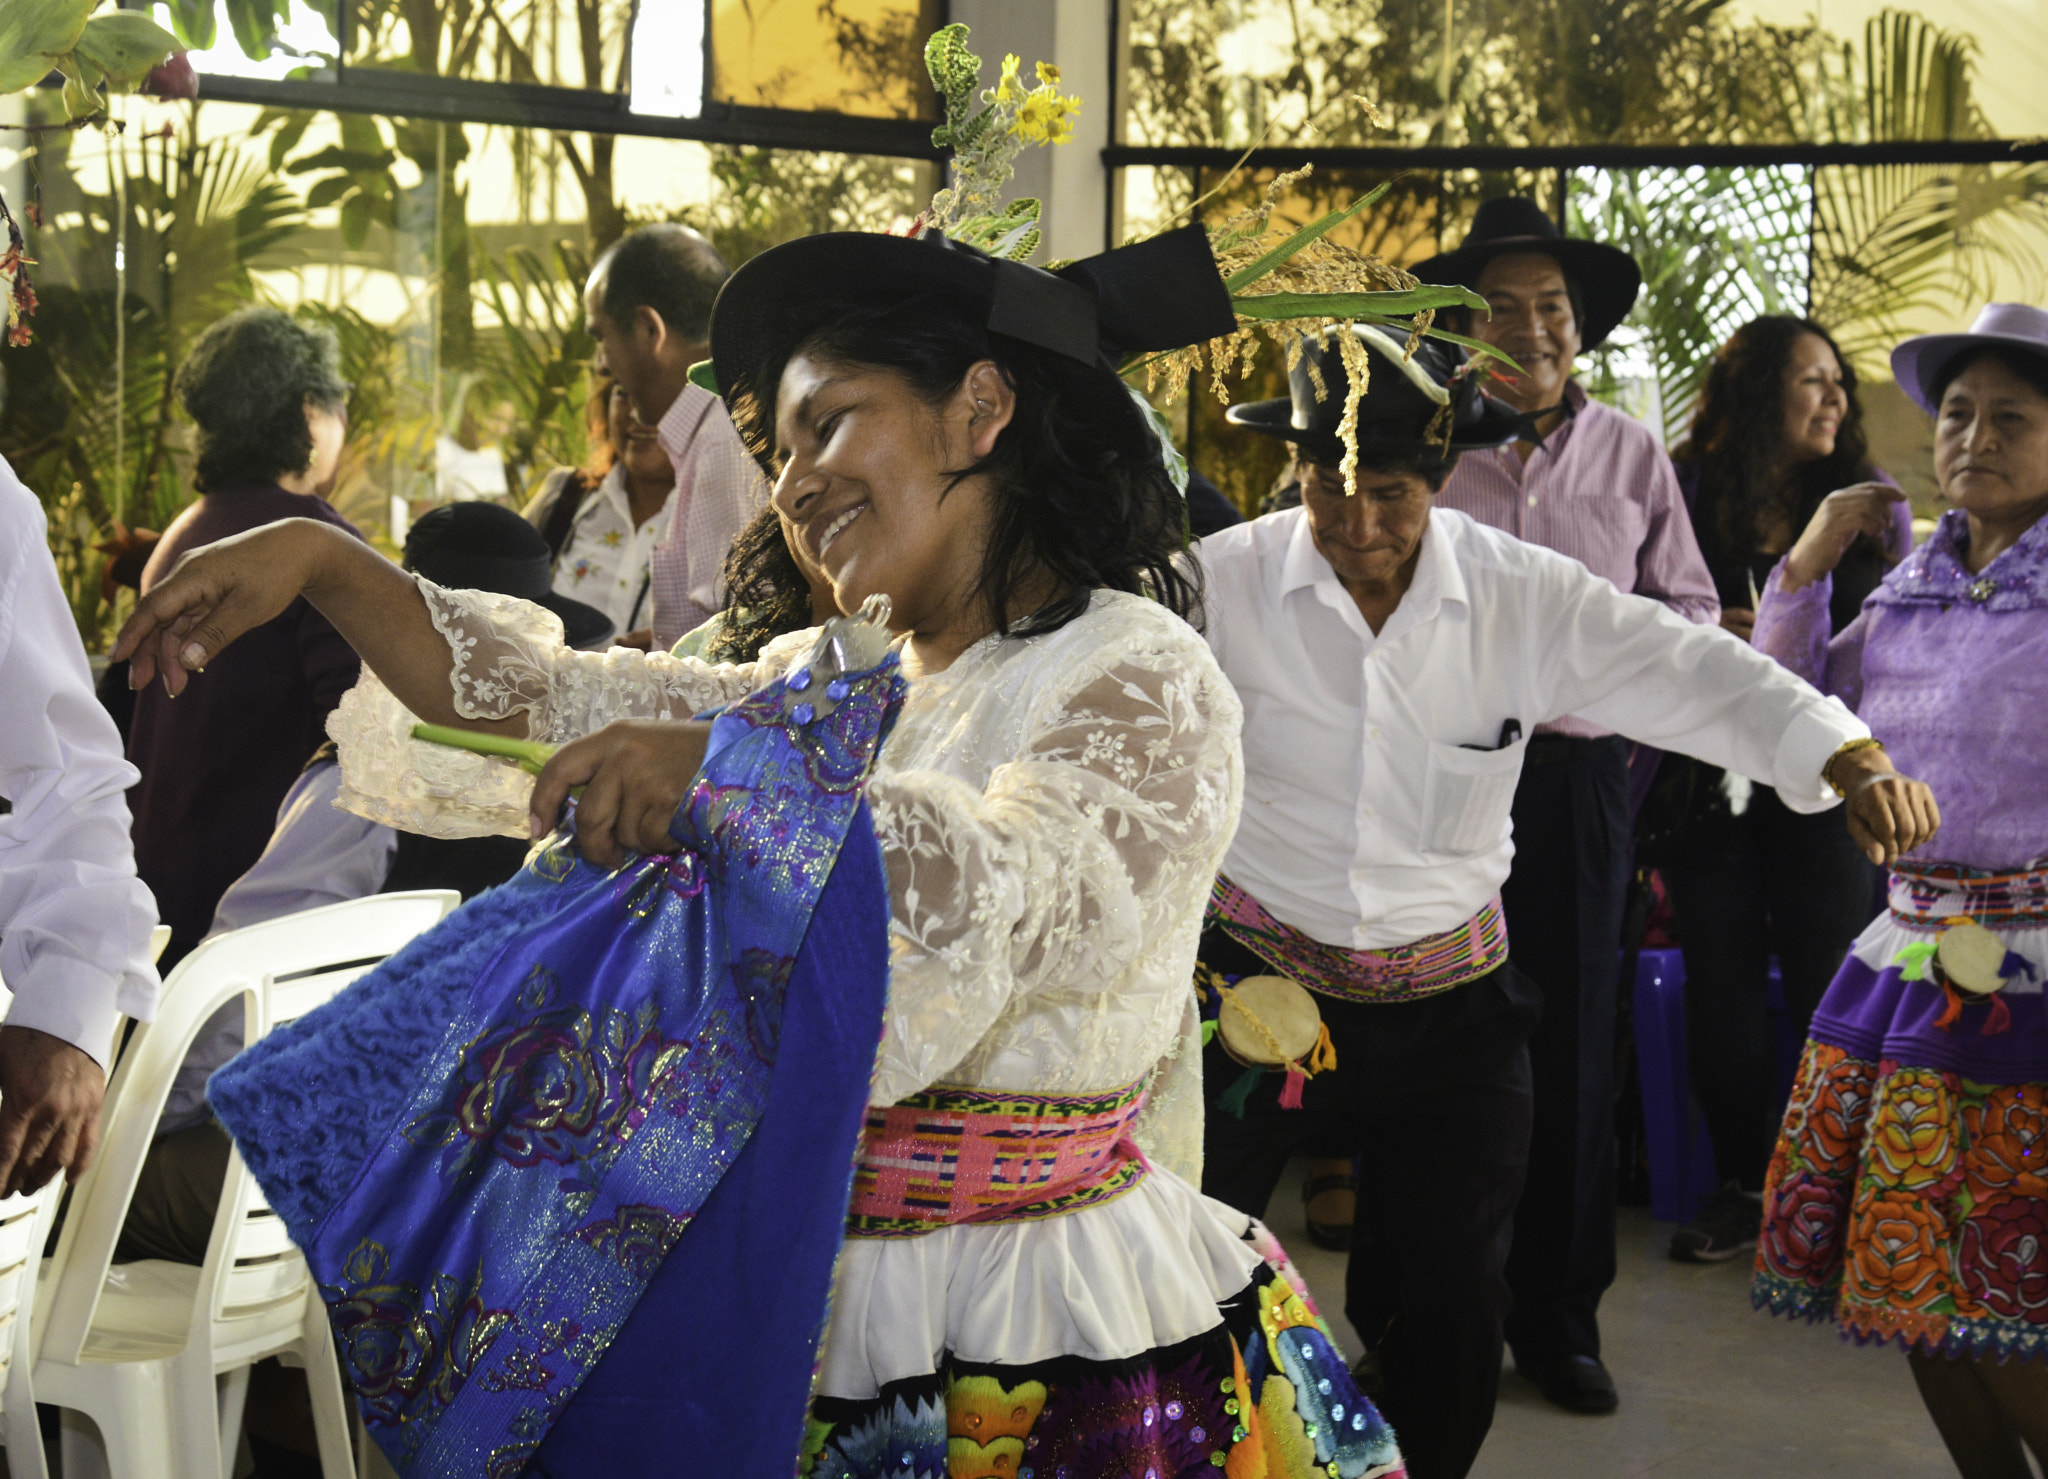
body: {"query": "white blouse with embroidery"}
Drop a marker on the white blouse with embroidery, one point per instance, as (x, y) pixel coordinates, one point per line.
(1051, 811)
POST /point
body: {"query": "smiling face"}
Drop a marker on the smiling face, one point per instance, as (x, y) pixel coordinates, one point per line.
(1370, 539)
(1991, 444)
(1532, 322)
(866, 490)
(1816, 401)
(634, 440)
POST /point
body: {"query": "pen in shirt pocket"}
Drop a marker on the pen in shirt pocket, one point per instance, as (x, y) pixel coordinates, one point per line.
(1510, 731)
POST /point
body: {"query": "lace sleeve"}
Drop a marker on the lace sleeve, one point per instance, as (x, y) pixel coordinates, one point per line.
(1078, 873)
(508, 657)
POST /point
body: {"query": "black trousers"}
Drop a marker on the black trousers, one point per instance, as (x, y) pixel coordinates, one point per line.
(1563, 902)
(1743, 889)
(1435, 1095)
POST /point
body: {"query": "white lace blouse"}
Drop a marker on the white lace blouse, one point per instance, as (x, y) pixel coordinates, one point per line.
(1051, 812)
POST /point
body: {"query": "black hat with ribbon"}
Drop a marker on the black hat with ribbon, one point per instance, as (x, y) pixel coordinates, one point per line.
(1396, 415)
(1157, 294)
(476, 546)
(1607, 278)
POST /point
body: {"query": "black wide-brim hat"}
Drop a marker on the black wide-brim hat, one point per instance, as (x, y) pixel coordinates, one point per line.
(1162, 293)
(1607, 277)
(1395, 415)
(477, 546)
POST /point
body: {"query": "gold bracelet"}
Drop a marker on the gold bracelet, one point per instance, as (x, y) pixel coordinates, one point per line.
(1827, 771)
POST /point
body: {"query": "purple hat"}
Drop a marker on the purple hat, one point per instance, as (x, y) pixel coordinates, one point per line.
(1917, 362)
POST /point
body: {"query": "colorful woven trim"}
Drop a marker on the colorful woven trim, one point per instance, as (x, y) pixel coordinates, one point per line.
(962, 1155)
(1431, 964)
(1933, 896)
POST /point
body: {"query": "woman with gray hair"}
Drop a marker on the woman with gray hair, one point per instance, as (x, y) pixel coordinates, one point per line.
(266, 395)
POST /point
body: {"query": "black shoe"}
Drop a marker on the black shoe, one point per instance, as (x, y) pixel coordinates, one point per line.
(1575, 1383)
(1728, 1225)
(1334, 1236)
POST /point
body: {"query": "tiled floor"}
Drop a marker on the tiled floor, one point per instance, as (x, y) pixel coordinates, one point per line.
(1709, 1389)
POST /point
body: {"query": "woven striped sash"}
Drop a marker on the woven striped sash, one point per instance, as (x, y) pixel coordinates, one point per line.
(1933, 896)
(1402, 973)
(965, 1155)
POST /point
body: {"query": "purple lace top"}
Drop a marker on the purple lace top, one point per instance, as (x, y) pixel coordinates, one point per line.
(1950, 670)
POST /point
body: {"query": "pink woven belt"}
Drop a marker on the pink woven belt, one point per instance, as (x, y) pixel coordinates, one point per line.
(965, 1155)
(1425, 967)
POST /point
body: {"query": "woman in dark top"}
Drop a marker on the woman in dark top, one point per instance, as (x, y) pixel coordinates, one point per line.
(270, 405)
(1777, 448)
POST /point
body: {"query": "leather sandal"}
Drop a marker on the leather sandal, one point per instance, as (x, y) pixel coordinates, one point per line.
(1331, 1235)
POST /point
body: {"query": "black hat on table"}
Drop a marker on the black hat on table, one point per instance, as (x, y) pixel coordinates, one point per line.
(1396, 417)
(1607, 277)
(1161, 293)
(485, 547)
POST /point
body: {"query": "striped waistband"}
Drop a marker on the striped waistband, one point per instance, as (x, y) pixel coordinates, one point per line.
(1421, 968)
(1932, 896)
(967, 1155)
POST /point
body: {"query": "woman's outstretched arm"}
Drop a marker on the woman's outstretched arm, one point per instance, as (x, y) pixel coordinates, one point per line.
(214, 595)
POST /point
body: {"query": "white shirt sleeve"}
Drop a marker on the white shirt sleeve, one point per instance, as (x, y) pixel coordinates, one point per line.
(1637, 667)
(75, 921)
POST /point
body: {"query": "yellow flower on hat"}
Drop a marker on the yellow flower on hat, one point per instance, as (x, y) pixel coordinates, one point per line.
(1048, 74)
(1009, 88)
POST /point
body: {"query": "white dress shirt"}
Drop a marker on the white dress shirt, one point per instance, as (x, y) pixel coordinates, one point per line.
(607, 559)
(75, 921)
(1376, 793)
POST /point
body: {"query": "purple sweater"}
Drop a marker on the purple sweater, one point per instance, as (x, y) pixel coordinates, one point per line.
(1950, 670)
(216, 761)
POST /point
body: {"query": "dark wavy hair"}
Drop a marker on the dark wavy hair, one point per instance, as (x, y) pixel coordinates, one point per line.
(246, 384)
(766, 593)
(1080, 493)
(1737, 429)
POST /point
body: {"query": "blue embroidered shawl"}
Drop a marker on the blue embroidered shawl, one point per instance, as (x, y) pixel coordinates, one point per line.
(579, 1158)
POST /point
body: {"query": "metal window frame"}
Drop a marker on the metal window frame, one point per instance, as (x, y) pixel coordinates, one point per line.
(574, 110)
(1582, 156)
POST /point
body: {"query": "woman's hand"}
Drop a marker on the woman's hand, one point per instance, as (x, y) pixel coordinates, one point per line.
(215, 594)
(1740, 620)
(1889, 814)
(634, 775)
(1845, 513)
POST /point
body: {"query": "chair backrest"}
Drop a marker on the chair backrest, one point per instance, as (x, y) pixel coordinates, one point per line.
(281, 969)
(24, 1229)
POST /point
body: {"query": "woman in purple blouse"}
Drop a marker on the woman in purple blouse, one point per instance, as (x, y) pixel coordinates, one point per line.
(1777, 446)
(1908, 1197)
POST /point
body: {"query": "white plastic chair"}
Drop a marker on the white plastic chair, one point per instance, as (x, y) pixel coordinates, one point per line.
(140, 1348)
(25, 1223)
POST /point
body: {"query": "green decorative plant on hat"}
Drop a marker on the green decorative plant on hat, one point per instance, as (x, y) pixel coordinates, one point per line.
(96, 55)
(1281, 291)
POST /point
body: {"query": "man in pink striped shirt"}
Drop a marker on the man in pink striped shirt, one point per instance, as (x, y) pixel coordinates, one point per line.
(648, 305)
(1592, 483)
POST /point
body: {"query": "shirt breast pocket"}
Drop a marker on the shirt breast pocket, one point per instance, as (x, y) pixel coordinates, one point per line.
(1467, 796)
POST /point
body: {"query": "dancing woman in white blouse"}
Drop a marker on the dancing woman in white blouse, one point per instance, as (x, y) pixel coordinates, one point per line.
(1052, 807)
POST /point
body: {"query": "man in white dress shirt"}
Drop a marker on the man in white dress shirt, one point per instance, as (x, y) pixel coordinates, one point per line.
(648, 305)
(1393, 660)
(75, 921)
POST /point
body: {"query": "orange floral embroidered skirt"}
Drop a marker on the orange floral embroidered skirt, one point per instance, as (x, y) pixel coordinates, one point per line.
(1908, 1196)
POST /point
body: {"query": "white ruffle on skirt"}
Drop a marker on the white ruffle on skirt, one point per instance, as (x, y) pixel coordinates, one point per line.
(1106, 1283)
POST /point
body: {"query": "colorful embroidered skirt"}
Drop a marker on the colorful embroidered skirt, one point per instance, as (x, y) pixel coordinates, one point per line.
(1908, 1197)
(1263, 1392)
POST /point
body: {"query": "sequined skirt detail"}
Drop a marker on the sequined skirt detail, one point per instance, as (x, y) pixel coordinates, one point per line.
(1907, 1199)
(954, 1155)
(1265, 1392)
(1424, 967)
